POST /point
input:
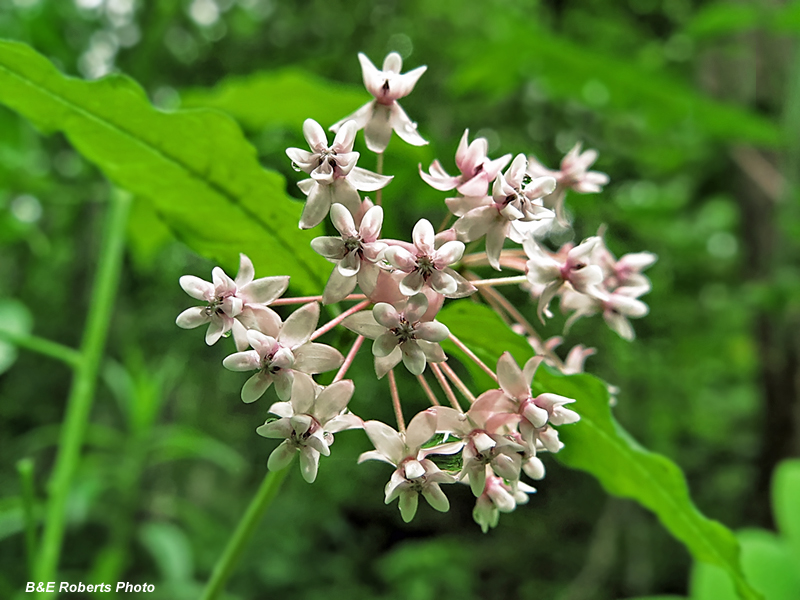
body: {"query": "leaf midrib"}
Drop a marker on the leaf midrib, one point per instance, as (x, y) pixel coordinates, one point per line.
(119, 130)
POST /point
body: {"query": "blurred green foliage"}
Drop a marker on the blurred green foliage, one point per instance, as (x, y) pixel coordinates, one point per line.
(691, 107)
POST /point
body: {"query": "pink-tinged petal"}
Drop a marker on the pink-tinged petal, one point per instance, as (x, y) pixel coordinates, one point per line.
(385, 364)
(197, 288)
(343, 422)
(516, 172)
(493, 401)
(404, 127)
(384, 344)
(443, 283)
(495, 238)
(361, 117)
(370, 228)
(583, 279)
(421, 428)
(260, 318)
(373, 78)
(242, 361)
(343, 142)
(345, 194)
(240, 335)
(386, 440)
(463, 148)
(338, 287)
(222, 283)
(262, 343)
(279, 429)
(246, 271)
(324, 173)
(402, 85)
(343, 221)
(363, 323)
(372, 252)
(232, 306)
(637, 261)
(493, 167)
(367, 181)
(378, 130)
(264, 290)
(582, 253)
(438, 178)
(307, 186)
(386, 315)
(471, 161)
(433, 352)
(541, 186)
(281, 457)
(400, 258)
(315, 135)
(374, 455)
(448, 253)
(423, 236)
(412, 283)
(300, 325)
(255, 387)
(461, 206)
(630, 307)
(408, 502)
(511, 378)
(317, 206)
(309, 462)
(413, 357)
(450, 420)
(329, 246)
(475, 187)
(415, 308)
(333, 400)
(192, 317)
(345, 162)
(350, 264)
(284, 380)
(317, 358)
(529, 370)
(476, 222)
(433, 331)
(302, 159)
(216, 328)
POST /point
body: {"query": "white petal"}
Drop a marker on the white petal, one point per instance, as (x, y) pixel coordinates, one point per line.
(378, 130)
(242, 361)
(246, 271)
(192, 317)
(400, 258)
(404, 127)
(317, 206)
(300, 325)
(197, 288)
(317, 358)
(363, 323)
(367, 181)
(264, 290)
(309, 462)
(511, 378)
(432, 331)
(386, 315)
(423, 236)
(281, 457)
(387, 363)
(413, 357)
(315, 135)
(329, 246)
(386, 440)
(343, 142)
(338, 287)
(421, 429)
(416, 307)
(255, 387)
(370, 228)
(343, 221)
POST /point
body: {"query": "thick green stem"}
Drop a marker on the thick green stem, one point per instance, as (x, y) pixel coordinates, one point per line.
(52, 349)
(79, 403)
(244, 531)
(25, 470)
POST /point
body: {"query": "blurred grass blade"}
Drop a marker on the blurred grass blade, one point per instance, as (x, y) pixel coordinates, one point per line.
(25, 470)
(200, 173)
(602, 448)
(170, 548)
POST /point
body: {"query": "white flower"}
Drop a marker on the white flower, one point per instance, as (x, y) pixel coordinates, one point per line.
(334, 176)
(307, 424)
(232, 304)
(355, 253)
(383, 115)
(498, 497)
(279, 359)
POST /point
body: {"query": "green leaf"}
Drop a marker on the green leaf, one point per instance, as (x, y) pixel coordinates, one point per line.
(14, 318)
(177, 442)
(601, 447)
(283, 98)
(196, 168)
(786, 504)
(170, 549)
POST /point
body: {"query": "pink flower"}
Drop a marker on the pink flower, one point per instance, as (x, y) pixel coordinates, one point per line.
(334, 176)
(356, 253)
(498, 497)
(399, 335)
(232, 304)
(279, 359)
(428, 266)
(414, 474)
(617, 307)
(477, 171)
(379, 117)
(307, 424)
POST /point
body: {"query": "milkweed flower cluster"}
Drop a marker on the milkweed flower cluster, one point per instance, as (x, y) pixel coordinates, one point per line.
(490, 440)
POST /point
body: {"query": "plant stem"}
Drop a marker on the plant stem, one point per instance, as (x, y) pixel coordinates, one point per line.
(499, 281)
(462, 387)
(379, 170)
(448, 391)
(68, 355)
(25, 470)
(81, 396)
(244, 531)
(428, 391)
(336, 320)
(398, 410)
(307, 299)
(349, 359)
(472, 356)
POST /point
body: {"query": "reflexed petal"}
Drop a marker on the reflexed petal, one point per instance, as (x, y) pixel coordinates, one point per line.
(373, 78)
(386, 315)
(541, 186)
(315, 135)
(302, 159)
(438, 178)
(367, 181)
(529, 370)
(416, 306)
(449, 253)
(242, 361)
(511, 378)
(317, 206)
(255, 387)
(402, 85)
(349, 265)
(423, 236)
(495, 238)
(342, 422)
(281, 457)
(317, 358)
(282, 409)
(343, 221)
(367, 277)
(463, 287)
(338, 287)
(386, 440)
(284, 380)
(333, 400)
(404, 127)
(432, 331)
(246, 271)
(378, 130)
(421, 428)
(361, 117)
(408, 504)
(192, 317)
(400, 258)
(442, 283)
(413, 357)
(364, 323)
(279, 429)
(240, 335)
(197, 288)
(261, 343)
(309, 462)
(303, 395)
(215, 329)
(476, 222)
(345, 194)
(300, 325)
(307, 186)
(385, 364)
(412, 283)
(384, 344)
(329, 246)
(433, 351)
(620, 324)
(264, 290)
(374, 455)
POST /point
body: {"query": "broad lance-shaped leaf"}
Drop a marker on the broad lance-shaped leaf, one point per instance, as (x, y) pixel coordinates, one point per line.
(601, 447)
(195, 166)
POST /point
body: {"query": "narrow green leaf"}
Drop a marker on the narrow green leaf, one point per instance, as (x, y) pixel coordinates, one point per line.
(177, 442)
(602, 448)
(283, 98)
(170, 549)
(786, 504)
(15, 318)
(200, 173)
